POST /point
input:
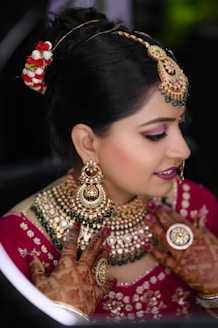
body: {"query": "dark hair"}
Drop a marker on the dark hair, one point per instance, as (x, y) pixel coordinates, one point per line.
(95, 80)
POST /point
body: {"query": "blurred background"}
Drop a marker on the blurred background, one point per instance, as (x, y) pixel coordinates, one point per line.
(188, 27)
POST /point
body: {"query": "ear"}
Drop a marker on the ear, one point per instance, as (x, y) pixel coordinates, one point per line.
(84, 140)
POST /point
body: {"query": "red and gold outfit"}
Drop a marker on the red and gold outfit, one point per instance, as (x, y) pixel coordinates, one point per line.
(157, 294)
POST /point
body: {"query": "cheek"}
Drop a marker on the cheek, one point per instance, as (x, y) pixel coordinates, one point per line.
(124, 158)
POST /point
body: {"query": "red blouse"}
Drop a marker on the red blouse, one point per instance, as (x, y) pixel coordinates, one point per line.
(155, 295)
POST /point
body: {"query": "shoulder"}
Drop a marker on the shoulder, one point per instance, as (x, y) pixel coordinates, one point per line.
(24, 205)
(23, 208)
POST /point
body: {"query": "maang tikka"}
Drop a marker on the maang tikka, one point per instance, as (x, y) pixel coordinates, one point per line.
(90, 205)
(174, 83)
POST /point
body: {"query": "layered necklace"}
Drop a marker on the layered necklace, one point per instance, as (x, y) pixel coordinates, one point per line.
(54, 208)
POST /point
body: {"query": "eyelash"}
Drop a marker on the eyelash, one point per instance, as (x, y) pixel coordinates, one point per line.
(160, 136)
(156, 137)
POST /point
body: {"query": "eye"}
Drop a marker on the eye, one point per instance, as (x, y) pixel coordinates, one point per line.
(155, 137)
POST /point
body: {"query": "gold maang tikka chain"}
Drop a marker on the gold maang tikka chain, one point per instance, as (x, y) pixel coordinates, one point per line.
(57, 208)
(174, 83)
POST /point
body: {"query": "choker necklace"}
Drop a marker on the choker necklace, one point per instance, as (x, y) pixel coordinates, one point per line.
(129, 233)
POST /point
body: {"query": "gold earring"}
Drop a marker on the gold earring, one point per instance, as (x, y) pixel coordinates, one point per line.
(181, 170)
(90, 204)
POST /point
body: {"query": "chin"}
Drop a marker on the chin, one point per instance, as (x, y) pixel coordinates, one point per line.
(163, 189)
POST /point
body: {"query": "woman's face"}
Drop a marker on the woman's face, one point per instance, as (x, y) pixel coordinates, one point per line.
(141, 153)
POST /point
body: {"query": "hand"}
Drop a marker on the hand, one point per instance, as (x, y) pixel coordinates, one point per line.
(198, 264)
(73, 281)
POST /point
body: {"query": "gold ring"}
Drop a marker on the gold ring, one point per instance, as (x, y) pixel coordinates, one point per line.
(101, 271)
(179, 236)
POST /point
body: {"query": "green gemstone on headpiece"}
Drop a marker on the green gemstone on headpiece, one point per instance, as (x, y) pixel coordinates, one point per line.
(168, 99)
(175, 103)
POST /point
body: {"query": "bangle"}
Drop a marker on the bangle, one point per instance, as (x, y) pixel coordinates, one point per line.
(208, 301)
(81, 316)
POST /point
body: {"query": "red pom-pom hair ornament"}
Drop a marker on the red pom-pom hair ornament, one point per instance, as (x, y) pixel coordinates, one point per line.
(33, 73)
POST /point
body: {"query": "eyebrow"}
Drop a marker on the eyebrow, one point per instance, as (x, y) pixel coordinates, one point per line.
(158, 120)
(161, 119)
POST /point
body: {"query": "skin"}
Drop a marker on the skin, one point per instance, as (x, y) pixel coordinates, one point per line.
(130, 161)
(136, 156)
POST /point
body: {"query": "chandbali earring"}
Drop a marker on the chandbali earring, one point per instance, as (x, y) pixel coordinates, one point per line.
(90, 205)
(181, 170)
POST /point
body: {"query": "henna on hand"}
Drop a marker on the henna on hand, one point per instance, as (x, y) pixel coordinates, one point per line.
(197, 265)
(73, 280)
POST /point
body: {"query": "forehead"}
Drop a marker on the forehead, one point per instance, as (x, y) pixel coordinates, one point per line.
(153, 108)
(157, 106)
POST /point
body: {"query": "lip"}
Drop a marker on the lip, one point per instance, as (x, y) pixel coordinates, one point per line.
(167, 174)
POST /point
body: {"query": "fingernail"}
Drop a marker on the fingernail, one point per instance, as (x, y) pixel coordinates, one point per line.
(148, 246)
(29, 258)
(106, 231)
(149, 217)
(151, 205)
(108, 248)
(77, 225)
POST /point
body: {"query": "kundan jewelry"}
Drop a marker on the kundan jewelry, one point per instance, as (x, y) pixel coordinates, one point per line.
(179, 236)
(101, 271)
(58, 207)
(174, 83)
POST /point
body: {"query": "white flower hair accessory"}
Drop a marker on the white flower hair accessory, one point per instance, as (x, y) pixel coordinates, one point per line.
(33, 73)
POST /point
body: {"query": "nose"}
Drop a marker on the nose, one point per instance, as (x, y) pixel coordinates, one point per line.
(179, 147)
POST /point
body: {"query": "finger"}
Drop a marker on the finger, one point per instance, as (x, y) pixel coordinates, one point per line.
(209, 235)
(155, 227)
(166, 216)
(103, 253)
(110, 283)
(164, 258)
(90, 254)
(70, 245)
(37, 269)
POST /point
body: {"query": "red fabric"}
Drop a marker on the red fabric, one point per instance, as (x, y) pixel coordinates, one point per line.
(158, 294)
